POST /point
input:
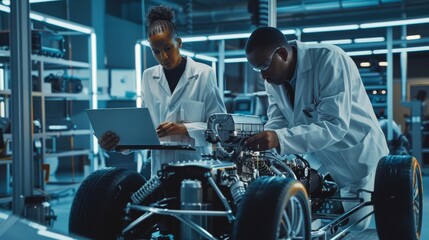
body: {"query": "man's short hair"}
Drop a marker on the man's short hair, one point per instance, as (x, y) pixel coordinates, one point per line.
(266, 38)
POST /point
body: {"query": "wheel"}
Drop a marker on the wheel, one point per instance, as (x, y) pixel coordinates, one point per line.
(398, 198)
(273, 208)
(98, 208)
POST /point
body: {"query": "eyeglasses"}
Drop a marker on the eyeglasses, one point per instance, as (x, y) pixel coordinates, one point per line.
(267, 63)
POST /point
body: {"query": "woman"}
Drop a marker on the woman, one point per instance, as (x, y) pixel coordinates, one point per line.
(180, 93)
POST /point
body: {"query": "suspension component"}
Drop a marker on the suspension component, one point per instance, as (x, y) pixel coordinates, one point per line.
(237, 191)
(147, 189)
(264, 169)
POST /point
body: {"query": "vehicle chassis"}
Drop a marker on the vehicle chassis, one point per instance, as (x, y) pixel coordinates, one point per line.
(242, 193)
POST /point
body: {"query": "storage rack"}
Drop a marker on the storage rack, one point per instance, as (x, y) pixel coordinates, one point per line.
(23, 183)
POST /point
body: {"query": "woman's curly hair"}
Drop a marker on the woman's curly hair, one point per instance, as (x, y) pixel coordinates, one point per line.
(160, 19)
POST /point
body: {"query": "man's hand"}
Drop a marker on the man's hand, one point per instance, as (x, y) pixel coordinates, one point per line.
(263, 141)
(171, 128)
(108, 141)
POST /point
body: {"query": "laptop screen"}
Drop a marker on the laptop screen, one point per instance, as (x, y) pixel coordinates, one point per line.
(134, 127)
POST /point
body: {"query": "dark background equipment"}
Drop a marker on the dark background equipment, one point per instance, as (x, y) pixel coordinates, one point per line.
(43, 42)
(65, 84)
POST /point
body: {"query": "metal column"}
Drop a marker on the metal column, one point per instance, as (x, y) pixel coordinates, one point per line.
(416, 132)
(404, 66)
(93, 92)
(221, 68)
(21, 98)
(389, 39)
(145, 34)
(272, 13)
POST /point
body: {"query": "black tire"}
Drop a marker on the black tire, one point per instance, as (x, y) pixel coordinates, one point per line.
(98, 208)
(398, 198)
(263, 210)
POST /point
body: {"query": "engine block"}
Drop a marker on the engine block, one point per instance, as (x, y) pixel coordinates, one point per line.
(230, 128)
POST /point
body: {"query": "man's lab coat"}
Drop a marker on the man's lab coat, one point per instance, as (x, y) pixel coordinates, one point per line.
(332, 119)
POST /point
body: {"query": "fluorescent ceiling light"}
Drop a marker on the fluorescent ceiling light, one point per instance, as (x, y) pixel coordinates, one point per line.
(187, 53)
(182, 51)
(229, 36)
(365, 64)
(331, 28)
(93, 39)
(338, 41)
(7, 2)
(312, 42)
(382, 64)
(68, 25)
(399, 50)
(37, 17)
(205, 57)
(40, 1)
(359, 53)
(371, 39)
(288, 31)
(145, 42)
(54, 21)
(235, 60)
(395, 23)
(3, 215)
(138, 66)
(380, 51)
(4, 8)
(413, 37)
(194, 39)
(412, 49)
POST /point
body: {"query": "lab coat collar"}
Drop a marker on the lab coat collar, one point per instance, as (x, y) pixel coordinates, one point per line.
(187, 75)
(159, 75)
(303, 63)
(190, 71)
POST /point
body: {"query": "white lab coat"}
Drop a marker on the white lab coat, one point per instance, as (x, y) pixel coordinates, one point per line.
(340, 128)
(194, 99)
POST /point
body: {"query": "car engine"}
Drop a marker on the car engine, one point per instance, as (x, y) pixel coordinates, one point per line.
(230, 131)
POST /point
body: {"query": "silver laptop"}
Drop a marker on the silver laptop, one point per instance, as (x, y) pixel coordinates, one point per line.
(134, 127)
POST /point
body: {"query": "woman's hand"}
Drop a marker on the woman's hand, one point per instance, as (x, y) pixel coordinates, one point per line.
(108, 141)
(171, 128)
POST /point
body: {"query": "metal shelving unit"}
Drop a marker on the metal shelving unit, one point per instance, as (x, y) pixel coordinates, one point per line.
(40, 100)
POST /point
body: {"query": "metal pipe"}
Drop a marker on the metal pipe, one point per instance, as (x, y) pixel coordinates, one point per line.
(343, 233)
(137, 221)
(20, 55)
(172, 212)
(404, 66)
(342, 217)
(389, 39)
(225, 203)
(272, 13)
(221, 68)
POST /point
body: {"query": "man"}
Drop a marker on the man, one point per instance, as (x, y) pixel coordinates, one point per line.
(317, 106)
